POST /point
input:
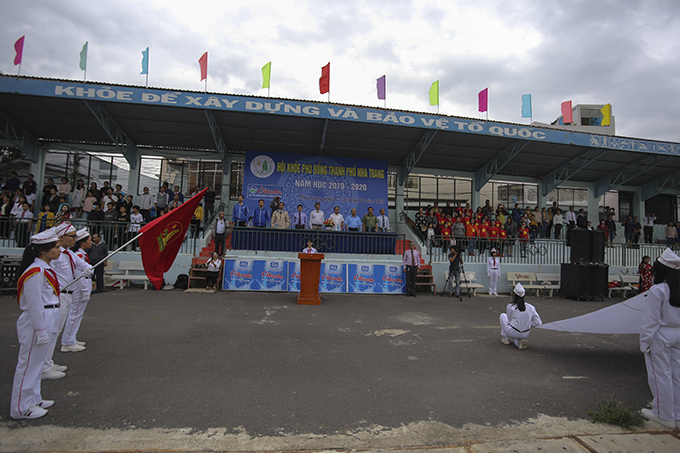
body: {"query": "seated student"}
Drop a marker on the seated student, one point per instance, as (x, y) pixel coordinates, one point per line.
(518, 320)
(310, 247)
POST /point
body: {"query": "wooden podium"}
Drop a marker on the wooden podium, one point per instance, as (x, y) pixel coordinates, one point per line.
(310, 271)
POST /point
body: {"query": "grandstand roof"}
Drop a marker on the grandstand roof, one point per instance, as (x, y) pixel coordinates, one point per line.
(57, 113)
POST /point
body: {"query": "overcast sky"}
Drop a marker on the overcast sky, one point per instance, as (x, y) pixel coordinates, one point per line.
(591, 52)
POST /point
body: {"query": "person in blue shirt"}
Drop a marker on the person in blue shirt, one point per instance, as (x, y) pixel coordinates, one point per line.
(261, 215)
(353, 222)
(177, 192)
(299, 219)
(240, 215)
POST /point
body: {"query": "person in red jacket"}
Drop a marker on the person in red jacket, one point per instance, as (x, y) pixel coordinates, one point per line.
(502, 239)
(524, 234)
(483, 236)
(447, 238)
(493, 236)
(471, 232)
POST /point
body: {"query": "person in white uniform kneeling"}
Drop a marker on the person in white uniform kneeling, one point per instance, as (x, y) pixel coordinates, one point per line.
(519, 318)
(660, 340)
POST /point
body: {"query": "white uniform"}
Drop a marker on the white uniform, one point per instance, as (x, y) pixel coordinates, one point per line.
(517, 324)
(68, 267)
(660, 334)
(39, 302)
(493, 271)
(80, 298)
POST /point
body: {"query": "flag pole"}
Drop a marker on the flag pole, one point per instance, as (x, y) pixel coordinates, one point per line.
(84, 74)
(147, 79)
(19, 72)
(105, 259)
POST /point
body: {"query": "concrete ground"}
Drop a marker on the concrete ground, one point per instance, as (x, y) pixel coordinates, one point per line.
(248, 371)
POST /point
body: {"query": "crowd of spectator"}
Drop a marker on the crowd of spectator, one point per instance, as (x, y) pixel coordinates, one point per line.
(107, 209)
(487, 227)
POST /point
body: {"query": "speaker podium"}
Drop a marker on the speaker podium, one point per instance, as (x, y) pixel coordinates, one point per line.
(310, 271)
(585, 276)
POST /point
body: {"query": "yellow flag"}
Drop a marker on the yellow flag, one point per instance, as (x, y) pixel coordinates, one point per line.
(606, 115)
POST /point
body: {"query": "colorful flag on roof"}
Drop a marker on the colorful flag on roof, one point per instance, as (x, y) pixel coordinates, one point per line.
(163, 237)
(606, 115)
(381, 87)
(483, 100)
(567, 116)
(526, 106)
(145, 61)
(203, 63)
(266, 75)
(19, 49)
(325, 79)
(83, 57)
(434, 93)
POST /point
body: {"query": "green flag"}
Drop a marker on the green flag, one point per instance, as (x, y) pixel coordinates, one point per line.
(434, 93)
(266, 74)
(83, 57)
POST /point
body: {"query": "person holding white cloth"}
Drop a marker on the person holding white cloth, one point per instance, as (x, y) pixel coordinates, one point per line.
(519, 318)
(493, 271)
(660, 340)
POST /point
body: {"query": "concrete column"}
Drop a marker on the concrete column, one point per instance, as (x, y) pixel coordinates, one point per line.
(476, 199)
(226, 183)
(593, 205)
(540, 198)
(395, 217)
(133, 179)
(638, 203)
(37, 169)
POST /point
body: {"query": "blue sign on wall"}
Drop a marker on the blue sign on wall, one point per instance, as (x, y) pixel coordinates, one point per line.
(304, 179)
(375, 278)
(255, 275)
(333, 277)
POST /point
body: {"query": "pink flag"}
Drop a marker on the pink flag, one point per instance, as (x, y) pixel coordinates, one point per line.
(203, 62)
(19, 48)
(483, 100)
(566, 112)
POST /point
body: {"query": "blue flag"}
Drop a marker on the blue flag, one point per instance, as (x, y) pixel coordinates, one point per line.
(526, 106)
(145, 61)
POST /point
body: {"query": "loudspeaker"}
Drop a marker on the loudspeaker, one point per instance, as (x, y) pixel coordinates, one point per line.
(581, 245)
(598, 246)
(584, 280)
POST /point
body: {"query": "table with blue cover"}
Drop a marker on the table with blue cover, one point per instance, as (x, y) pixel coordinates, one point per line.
(278, 240)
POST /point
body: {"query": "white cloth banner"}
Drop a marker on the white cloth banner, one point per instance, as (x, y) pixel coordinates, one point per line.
(622, 318)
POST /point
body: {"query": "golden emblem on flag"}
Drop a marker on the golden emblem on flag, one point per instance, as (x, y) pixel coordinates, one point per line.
(172, 232)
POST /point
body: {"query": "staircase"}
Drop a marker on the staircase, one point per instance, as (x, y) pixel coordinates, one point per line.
(208, 249)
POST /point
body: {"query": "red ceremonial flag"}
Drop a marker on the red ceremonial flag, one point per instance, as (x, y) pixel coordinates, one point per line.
(19, 48)
(567, 112)
(163, 237)
(483, 99)
(325, 79)
(203, 62)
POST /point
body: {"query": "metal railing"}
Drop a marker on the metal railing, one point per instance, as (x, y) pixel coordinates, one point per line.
(538, 251)
(325, 241)
(16, 232)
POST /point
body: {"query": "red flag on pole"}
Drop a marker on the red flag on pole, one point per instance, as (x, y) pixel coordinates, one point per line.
(19, 49)
(567, 116)
(162, 239)
(325, 79)
(203, 62)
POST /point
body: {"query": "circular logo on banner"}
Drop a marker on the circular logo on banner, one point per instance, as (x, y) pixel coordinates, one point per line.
(262, 166)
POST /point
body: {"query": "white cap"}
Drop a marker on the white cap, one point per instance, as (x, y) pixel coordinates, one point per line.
(493, 251)
(44, 237)
(64, 228)
(670, 259)
(519, 290)
(82, 234)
